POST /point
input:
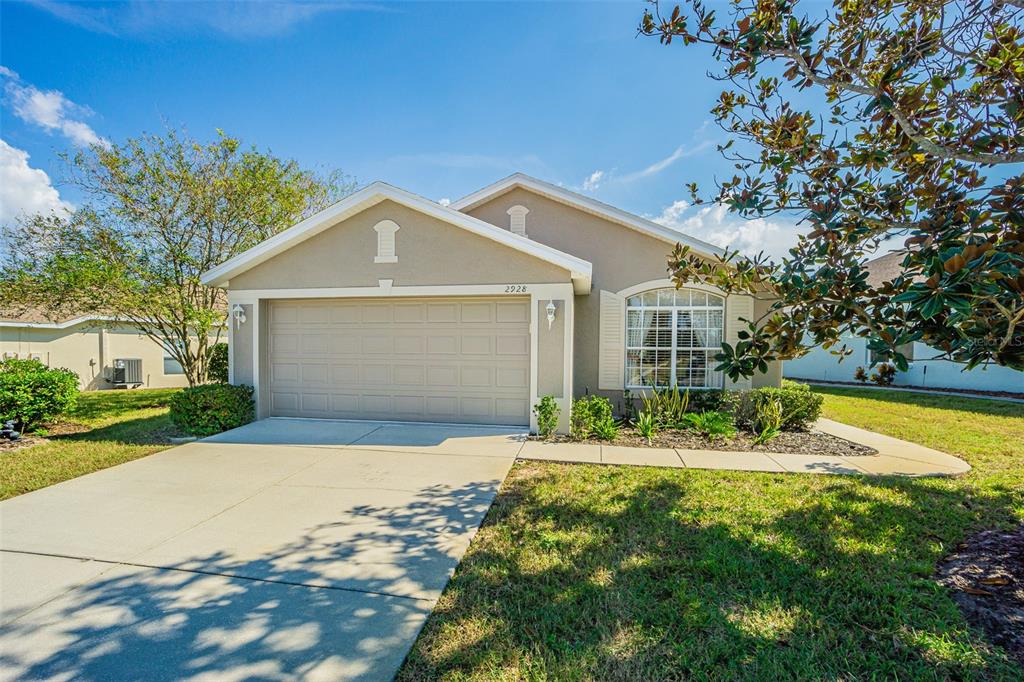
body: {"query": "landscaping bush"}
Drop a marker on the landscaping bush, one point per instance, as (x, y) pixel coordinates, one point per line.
(667, 406)
(801, 407)
(217, 367)
(547, 411)
(212, 408)
(712, 400)
(711, 424)
(32, 394)
(861, 375)
(884, 375)
(592, 416)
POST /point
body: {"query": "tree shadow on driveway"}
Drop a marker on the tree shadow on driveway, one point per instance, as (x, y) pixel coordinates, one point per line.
(216, 615)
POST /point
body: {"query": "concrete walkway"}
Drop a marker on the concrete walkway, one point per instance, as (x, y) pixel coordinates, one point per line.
(286, 549)
(895, 457)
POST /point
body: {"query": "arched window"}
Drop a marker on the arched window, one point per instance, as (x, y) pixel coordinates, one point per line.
(672, 337)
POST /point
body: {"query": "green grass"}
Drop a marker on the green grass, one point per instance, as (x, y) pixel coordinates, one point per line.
(585, 572)
(122, 426)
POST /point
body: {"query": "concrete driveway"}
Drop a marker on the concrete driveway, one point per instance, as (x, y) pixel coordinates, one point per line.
(287, 548)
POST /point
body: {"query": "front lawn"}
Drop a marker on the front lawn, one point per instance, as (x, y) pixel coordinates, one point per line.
(116, 426)
(598, 572)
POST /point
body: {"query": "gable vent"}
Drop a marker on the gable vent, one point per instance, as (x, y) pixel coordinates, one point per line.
(386, 252)
(517, 219)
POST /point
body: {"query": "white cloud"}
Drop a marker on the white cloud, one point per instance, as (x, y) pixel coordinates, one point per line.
(444, 201)
(233, 18)
(593, 181)
(715, 224)
(598, 177)
(50, 110)
(25, 190)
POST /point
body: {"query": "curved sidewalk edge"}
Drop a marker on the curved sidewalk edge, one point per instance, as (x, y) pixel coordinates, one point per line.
(895, 457)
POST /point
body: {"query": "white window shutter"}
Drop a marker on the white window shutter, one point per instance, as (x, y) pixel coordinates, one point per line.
(517, 219)
(736, 307)
(611, 351)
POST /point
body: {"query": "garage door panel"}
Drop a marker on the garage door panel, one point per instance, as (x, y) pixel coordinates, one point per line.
(460, 360)
(513, 345)
(476, 345)
(512, 311)
(442, 345)
(284, 343)
(409, 375)
(512, 377)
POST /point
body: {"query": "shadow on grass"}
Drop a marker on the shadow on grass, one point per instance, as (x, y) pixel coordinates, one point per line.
(152, 430)
(94, 405)
(940, 402)
(269, 603)
(664, 575)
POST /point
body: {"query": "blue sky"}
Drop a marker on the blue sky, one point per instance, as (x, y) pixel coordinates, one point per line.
(437, 98)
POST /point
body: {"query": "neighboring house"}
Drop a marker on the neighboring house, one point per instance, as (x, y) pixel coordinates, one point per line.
(391, 306)
(924, 372)
(90, 346)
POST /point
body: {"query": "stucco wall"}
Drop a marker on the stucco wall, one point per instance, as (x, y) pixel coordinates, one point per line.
(242, 348)
(550, 350)
(821, 365)
(621, 257)
(430, 252)
(89, 349)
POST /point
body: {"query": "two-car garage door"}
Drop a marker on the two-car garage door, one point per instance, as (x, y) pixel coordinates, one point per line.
(444, 360)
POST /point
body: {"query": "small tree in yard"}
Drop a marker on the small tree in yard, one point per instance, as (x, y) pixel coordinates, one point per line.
(914, 142)
(158, 211)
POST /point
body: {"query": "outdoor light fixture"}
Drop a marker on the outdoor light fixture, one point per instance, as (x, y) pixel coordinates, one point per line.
(550, 307)
(238, 312)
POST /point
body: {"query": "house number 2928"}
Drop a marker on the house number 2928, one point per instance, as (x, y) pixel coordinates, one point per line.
(515, 288)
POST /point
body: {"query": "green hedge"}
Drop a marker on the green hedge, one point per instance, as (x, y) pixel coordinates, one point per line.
(32, 394)
(217, 365)
(801, 407)
(212, 408)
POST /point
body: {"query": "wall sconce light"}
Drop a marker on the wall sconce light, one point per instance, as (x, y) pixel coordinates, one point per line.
(550, 308)
(238, 312)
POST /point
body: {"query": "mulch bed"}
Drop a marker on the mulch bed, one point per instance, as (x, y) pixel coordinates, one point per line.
(986, 576)
(54, 430)
(795, 442)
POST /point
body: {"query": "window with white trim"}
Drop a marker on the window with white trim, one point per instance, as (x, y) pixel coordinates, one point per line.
(672, 337)
(386, 251)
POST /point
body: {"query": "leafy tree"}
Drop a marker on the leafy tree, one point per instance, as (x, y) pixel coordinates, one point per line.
(879, 124)
(159, 210)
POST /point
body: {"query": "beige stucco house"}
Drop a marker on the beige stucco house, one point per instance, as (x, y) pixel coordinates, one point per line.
(390, 306)
(90, 346)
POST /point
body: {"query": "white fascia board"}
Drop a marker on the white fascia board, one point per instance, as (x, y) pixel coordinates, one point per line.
(373, 194)
(57, 325)
(584, 203)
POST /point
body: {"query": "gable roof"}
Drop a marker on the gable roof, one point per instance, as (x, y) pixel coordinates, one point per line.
(372, 195)
(589, 205)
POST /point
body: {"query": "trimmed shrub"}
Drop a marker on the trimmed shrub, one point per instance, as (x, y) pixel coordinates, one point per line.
(217, 364)
(801, 407)
(861, 375)
(712, 400)
(592, 416)
(547, 411)
(212, 408)
(32, 394)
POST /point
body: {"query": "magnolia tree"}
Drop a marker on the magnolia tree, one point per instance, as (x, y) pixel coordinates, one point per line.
(158, 211)
(882, 126)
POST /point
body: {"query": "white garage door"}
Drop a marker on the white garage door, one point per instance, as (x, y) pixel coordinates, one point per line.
(445, 360)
